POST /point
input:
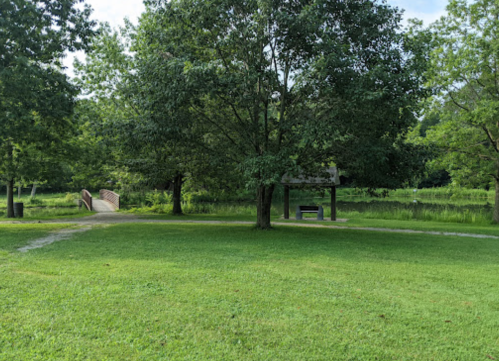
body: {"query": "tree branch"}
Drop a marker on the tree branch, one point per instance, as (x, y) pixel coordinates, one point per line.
(457, 104)
(489, 135)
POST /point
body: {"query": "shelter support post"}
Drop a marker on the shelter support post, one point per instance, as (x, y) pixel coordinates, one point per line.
(333, 203)
(286, 202)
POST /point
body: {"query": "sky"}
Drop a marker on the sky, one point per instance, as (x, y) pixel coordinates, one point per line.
(114, 11)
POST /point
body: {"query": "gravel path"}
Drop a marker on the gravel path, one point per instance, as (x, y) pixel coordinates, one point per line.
(51, 238)
(119, 218)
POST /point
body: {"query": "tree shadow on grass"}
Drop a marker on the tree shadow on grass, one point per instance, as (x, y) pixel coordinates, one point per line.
(239, 244)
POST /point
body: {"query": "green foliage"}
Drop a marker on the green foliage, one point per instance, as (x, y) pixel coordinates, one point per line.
(156, 198)
(36, 201)
(92, 154)
(36, 97)
(464, 69)
(277, 87)
(72, 197)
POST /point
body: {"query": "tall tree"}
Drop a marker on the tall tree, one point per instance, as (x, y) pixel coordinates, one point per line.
(36, 97)
(292, 84)
(465, 68)
(150, 130)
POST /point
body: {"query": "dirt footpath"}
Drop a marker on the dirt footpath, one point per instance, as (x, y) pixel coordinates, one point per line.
(120, 218)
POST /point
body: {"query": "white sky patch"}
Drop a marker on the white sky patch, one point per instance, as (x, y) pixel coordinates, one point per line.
(113, 12)
(427, 18)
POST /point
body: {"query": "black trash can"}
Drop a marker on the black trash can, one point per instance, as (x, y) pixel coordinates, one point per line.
(18, 210)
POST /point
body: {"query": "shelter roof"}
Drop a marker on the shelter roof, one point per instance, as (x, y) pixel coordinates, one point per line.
(332, 180)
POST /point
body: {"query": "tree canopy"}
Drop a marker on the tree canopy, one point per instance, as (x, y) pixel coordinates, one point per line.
(464, 68)
(283, 86)
(36, 97)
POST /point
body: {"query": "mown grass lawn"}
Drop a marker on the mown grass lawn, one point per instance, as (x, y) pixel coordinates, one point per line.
(227, 292)
(431, 226)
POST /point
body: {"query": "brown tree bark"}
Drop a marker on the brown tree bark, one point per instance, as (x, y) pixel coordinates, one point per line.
(264, 204)
(333, 203)
(177, 194)
(10, 199)
(496, 206)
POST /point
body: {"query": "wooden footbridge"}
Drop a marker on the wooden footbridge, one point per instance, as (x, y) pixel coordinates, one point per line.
(108, 201)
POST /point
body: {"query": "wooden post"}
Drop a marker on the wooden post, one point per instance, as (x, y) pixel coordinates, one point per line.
(286, 202)
(333, 203)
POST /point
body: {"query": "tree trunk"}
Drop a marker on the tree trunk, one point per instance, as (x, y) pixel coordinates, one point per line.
(10, 199)
(264, 204)
(177, 194)
(496, 206)
(33, 190)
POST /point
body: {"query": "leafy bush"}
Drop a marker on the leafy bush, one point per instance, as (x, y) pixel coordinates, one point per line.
(156, 198)
(36, 202)
(71, 197)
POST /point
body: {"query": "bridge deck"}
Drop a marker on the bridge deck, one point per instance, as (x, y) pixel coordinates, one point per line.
(101, 206)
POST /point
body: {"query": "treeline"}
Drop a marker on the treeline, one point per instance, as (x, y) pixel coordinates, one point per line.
(228, 98)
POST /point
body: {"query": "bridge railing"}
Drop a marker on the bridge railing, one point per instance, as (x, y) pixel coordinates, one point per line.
(111, 197)
(87, 199)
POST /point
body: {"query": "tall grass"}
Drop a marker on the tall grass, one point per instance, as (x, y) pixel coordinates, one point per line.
(445, 192)
(47, 213)
(481, 215)
(58, 200)
(204, 208)
(451, 192)
(450, 215)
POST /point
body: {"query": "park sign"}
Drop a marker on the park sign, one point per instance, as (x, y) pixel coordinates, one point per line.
(332, 180)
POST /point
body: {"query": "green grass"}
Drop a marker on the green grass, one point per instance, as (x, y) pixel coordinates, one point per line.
(445, 221)
(201, 209)
(13, 236)
(47, 206)
(59, 200)
(225, 292)
(483, 217)
(426, 226)
(445, 192)
(451, 210)
(31, 214)
(453, 192)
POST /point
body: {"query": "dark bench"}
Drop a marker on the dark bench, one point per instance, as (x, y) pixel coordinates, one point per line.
(310, 209)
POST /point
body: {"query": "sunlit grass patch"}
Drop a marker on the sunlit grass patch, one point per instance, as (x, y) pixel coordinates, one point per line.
(13, 236)
(191, 292)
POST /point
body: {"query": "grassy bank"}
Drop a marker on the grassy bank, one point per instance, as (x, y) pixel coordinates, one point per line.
(396, 211)
(47, 206)
(31, 214)
(441, 192)
(13, 236)
(197, 292)
(52, 200)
